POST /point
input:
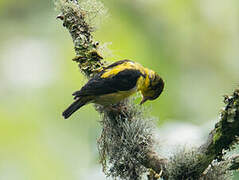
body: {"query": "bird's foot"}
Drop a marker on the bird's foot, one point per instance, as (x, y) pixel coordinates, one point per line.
(153, 175)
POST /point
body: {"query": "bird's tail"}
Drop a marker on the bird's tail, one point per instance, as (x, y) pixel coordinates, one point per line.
(74, 107)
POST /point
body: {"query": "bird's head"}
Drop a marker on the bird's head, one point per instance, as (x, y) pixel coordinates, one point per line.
(154, 87)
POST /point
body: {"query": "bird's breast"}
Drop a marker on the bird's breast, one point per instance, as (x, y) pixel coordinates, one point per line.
(113, 98)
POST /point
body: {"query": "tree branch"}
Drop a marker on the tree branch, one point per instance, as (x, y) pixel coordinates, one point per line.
(127, 141)
(225, 133)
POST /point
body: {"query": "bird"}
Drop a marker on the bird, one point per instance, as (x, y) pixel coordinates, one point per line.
(115, 83)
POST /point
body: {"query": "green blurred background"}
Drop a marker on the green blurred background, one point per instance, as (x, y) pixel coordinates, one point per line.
(193, 45)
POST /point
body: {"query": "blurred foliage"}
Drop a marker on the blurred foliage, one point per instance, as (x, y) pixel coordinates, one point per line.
(192, 44)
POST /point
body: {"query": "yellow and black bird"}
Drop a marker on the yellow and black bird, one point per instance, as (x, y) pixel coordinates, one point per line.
(115, 83)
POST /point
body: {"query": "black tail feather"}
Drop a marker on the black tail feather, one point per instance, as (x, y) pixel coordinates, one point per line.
(76, 94)
(74, 107)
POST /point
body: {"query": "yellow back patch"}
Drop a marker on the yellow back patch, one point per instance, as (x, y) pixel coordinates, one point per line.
(115, 70)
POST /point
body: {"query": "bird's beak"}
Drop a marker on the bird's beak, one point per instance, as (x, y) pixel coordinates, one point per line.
(143, 100)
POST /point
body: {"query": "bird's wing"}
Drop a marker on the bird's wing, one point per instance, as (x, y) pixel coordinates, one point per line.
(122, 81)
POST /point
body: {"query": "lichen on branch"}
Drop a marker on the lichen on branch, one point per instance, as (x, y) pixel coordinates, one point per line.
(79, 19)
(127, 143)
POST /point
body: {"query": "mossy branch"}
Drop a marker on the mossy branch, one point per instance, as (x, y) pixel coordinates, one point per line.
(74, 19)
(225, 134)
(127, 141)
(208, 161)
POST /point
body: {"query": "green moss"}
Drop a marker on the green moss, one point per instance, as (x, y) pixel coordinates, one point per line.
(217, 136)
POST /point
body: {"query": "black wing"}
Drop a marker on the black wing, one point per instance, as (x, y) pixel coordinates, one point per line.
(123, 81)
